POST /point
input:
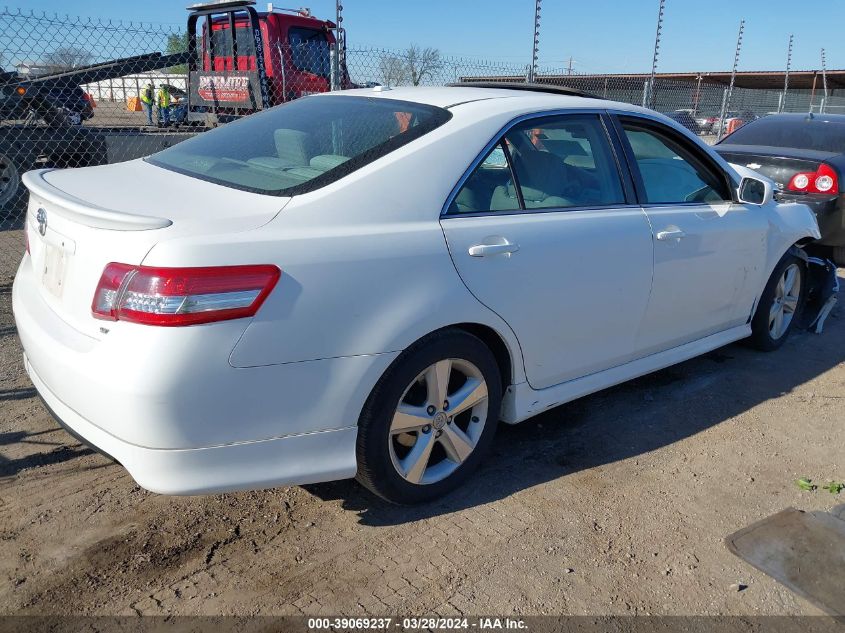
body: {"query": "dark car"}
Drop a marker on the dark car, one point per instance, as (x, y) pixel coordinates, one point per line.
(685, 118)
(805, 155)
(56, 102)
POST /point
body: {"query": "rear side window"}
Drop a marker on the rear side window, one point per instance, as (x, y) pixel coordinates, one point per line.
(302, 145)
(671, 173)
(549, 163)
(793, 132)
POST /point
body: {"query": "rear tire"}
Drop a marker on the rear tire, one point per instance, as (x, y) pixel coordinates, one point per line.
(411, 446)
(780, 305)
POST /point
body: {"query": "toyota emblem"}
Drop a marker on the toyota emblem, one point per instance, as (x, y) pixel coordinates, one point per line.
(41, 216)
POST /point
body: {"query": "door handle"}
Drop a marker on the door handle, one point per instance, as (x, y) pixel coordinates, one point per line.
(488, 250)
(670, 234)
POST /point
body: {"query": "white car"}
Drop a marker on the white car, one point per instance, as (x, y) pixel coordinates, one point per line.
(365, 283)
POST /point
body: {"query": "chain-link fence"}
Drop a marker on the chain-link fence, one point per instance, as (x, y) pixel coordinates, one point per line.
(77, 92)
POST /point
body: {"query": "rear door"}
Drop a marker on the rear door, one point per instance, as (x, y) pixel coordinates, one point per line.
(544, 231)
(708, 250)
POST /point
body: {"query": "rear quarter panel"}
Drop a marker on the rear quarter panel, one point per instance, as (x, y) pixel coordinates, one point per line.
(365, 266)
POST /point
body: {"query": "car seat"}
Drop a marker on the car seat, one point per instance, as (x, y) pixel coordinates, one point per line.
(291, 151)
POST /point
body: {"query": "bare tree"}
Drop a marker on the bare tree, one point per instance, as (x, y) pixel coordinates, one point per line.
(393, 70)
(68, 57)
(422, 63)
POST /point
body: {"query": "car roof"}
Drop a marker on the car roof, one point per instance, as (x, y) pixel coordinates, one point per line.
(499, 100)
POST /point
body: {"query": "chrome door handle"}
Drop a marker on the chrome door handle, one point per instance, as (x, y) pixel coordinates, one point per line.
(670, 234)
(488, 250)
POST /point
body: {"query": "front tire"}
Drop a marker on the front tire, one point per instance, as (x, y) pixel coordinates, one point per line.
(430, 419)
(780, 305)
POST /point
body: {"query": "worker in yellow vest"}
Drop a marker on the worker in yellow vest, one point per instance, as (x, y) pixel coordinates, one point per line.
(146, 97)
(164, 101)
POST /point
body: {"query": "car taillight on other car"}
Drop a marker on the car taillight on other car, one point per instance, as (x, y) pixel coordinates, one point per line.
(181, 296)
(823, 180)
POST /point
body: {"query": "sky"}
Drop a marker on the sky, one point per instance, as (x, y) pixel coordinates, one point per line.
(599, 35)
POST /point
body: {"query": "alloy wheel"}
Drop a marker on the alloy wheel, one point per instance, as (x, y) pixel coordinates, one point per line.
(438, 422)
(785, 303)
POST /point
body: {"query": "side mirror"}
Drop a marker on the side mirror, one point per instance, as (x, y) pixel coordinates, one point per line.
(753, 191)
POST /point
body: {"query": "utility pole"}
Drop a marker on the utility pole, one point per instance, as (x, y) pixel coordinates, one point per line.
(532, 70)
(733, 77)
(650, 100)
(786, 76)
(569, 69)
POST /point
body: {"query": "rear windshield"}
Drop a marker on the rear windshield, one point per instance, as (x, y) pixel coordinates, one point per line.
(302, 145)
(793, 132)
(221, 41)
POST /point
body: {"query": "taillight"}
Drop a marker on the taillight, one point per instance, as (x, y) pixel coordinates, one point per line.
(181, 296)
(823, 180)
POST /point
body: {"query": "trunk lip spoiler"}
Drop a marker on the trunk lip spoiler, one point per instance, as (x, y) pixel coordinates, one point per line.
(87, 213)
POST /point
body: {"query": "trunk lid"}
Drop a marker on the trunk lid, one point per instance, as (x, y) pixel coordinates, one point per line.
(778, 163)
(79, 220)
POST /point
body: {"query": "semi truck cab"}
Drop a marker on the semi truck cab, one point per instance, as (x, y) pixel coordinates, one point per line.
(243, 60)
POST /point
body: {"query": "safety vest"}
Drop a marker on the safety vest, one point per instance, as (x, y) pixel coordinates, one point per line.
(163, 98)
(147, 95)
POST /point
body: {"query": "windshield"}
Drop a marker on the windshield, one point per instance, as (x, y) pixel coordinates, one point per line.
(792, 132)
(309, 51)
(302, 145)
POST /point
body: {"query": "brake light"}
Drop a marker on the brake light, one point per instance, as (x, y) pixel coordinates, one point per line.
(823, 180)
(181, 296)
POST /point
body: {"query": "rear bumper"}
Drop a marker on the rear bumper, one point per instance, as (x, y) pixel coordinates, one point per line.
(295, 459)
(829, 212)
(166, 403)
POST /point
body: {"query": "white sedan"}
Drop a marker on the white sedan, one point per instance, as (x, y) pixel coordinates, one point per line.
(365, 283)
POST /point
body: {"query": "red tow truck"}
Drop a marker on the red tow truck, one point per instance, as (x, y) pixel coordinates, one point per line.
(242, 60)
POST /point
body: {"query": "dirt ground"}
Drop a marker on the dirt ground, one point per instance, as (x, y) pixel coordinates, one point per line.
(614, 504)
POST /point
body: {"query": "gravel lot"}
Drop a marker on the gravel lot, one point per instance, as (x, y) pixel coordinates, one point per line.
(614, 504)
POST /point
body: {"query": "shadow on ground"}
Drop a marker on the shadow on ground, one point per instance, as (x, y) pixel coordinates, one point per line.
(628, 420)
(61, 451)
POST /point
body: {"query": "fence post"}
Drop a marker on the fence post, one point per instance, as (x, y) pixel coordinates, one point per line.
(532, 70)
(645, 92)
(722, 114)
(335, 74)
(786, 75)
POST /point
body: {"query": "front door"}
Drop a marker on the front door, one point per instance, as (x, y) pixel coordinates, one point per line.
(708, 250)
(543, 234)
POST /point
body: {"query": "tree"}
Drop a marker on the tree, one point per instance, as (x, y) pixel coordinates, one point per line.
(393, 70)
(69, 57)
(422, 63)
(177, 43)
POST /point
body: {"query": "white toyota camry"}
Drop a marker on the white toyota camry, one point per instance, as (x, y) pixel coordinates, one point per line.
(365, 283)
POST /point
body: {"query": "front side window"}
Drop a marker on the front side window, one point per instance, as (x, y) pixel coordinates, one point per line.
(549, 163)
(670, 172)
(302, 145)
(309, 49)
